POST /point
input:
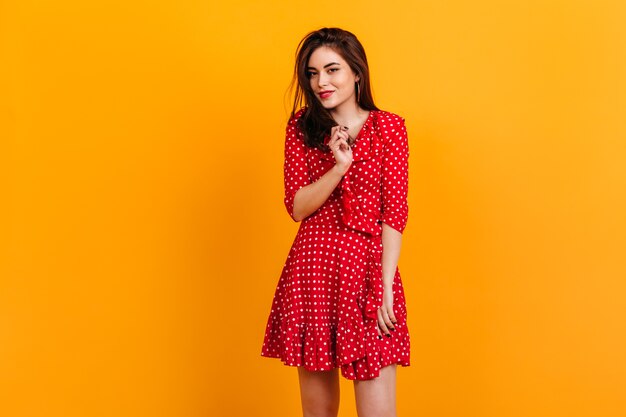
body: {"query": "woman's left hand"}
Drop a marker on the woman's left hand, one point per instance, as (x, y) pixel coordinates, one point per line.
(386, 318)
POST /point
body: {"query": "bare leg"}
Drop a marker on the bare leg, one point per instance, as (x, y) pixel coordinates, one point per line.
(377, 397)
(319, 392)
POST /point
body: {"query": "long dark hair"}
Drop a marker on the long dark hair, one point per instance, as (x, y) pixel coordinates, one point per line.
(316, 121)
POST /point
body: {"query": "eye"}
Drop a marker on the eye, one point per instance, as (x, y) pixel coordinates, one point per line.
(311, 73)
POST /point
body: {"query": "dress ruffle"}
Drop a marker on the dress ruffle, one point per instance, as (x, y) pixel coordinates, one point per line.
(304, 344)
(363, 349)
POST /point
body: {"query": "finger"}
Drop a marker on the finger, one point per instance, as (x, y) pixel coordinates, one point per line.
(346, 135)
(339, 129)
(392, 316)
(337, 145)
(387, 320)
(333, 137)
(333, 140)
(343, 134)
(343, 144)
(382, 324)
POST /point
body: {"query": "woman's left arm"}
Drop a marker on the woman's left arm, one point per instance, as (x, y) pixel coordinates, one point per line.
(395, 211)
(392, 242)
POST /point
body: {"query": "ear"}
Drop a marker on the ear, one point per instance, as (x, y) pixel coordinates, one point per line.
(357, 78)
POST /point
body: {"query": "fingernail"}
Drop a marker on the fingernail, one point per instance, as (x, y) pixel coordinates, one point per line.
(380, 337)
(392, 329)
(388, 334)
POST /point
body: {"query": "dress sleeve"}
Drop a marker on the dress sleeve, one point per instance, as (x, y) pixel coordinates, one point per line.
(295, 169)
(395, 177)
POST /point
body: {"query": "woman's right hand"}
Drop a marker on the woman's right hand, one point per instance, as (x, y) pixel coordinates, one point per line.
(342, 152)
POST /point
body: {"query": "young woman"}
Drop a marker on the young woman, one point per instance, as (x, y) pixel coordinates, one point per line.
(339, 303)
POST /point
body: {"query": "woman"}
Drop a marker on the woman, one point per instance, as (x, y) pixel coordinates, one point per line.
(339, 303)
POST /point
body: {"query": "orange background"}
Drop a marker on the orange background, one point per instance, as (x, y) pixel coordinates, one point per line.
(145, 231)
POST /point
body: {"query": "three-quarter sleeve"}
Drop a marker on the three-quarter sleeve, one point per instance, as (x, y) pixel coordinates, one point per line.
(295, 169)
(395, 177)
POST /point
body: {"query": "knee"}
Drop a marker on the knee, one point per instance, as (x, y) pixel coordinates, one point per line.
(376, 407)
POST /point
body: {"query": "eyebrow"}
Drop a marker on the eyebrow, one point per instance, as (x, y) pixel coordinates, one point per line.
(327, 65)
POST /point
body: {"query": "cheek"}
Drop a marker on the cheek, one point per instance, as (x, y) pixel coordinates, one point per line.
(345, 82)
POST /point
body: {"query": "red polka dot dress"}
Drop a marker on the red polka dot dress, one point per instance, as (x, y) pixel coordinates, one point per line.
(324, 311)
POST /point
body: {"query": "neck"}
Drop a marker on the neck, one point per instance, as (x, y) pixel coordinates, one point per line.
(347, 113)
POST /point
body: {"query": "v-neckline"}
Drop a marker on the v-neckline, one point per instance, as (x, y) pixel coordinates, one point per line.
(366, 145)
(360, 132)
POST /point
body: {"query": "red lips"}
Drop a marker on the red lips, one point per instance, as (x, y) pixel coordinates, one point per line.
(325, 94)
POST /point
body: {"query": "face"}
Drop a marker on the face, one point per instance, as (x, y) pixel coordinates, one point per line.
(331, 78)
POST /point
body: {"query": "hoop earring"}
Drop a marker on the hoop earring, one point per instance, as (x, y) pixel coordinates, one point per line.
(358, 93)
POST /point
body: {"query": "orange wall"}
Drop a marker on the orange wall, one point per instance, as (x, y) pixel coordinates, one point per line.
(145, 231)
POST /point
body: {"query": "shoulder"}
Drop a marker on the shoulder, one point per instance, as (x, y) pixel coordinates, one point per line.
(293, 119)
(294, 135)
(388, 119)
(293, 128)
(390, 126)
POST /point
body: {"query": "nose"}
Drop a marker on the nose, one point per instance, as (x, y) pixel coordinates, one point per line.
(322, 79)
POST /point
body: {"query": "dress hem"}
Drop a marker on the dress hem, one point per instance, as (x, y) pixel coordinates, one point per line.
(402, 363)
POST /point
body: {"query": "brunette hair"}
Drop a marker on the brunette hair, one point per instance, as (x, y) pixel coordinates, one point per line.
(315, 122)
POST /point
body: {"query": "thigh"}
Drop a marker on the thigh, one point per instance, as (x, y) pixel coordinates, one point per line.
(377, 397)
(319, 392)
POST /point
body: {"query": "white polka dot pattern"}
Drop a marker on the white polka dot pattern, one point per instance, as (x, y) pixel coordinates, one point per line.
(323, 313)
